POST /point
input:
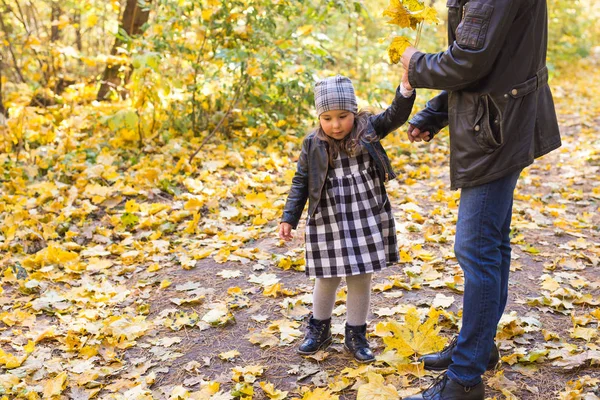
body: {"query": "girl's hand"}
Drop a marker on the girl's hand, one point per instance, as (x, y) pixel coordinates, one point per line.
(285, 231)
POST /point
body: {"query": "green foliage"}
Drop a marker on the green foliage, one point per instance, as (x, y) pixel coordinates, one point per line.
(573, 31)
(218, 70)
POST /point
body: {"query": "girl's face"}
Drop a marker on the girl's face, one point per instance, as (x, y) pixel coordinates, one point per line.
(337, 124)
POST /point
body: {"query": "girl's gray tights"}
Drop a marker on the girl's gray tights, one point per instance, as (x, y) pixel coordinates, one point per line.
(357, 303)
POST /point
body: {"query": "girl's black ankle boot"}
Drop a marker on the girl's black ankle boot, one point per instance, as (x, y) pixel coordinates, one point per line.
(318, 336)
(356, 343)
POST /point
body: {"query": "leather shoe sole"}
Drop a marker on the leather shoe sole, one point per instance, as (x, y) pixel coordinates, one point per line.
(367, 361)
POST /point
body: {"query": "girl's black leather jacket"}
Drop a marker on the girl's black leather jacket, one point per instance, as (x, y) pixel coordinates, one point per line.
(311, 171)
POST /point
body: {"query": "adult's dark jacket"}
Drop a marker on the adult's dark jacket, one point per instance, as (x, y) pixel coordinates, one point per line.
(495, 97)
(312, 167)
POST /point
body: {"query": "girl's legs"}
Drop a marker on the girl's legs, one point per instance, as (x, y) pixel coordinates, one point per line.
(324, 297)
(358, 302)
(318, 333)
(359, 299)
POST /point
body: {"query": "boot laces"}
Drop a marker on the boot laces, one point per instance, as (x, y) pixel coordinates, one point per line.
(437, 386)
(358, 341)
(316, 329)
(450, 346)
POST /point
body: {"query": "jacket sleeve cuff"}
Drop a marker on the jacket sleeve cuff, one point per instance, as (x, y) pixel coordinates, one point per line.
(412, 76)
(405, 92)
(290, 219)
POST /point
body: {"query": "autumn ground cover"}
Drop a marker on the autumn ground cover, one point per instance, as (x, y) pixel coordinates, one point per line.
(138, 248)
(147, 275)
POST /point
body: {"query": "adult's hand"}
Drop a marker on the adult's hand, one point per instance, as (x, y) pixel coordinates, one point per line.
(415, 134)
(406, 56)
(405, 81)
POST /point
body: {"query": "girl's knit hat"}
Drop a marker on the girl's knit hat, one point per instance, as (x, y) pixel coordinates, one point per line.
(335, 93)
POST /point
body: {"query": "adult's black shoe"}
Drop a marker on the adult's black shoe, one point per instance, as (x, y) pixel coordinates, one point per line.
(444, 388)
(318, 336)
(441, 360)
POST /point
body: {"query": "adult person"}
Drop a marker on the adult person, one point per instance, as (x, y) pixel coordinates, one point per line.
(499, 108)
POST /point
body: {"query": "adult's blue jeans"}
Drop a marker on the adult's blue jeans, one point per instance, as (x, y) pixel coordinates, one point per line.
(482, 248)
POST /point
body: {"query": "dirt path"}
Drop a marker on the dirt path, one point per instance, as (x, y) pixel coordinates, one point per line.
(555, 280)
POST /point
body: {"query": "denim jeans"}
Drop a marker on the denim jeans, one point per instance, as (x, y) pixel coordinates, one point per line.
(482, 248)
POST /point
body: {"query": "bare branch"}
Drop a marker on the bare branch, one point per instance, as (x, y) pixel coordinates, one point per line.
(236, 98)
(10, 49)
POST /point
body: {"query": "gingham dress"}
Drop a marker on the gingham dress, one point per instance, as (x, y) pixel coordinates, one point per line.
(352, 230)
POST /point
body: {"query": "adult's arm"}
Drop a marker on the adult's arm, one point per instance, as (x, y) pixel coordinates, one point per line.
(434, 116)
(479, 39)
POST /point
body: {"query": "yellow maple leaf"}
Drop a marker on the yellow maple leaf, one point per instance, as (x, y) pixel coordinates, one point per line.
(587, 334)
(320, 394)
(285, 263)
(403, 365)
(194, 204)
(165, 283)
(208, 390)
(10, 361)
(376, 389)
(398, 13)
(193, 224)
(264, 339)
(428, 14)
(271, 392)
(55, 386)
(287, 329)
(229, 355)
(396, 48)
(47, 334)
(51, 255)
(219, 315)
(255, 200)
(412, 337)
(258, 220)
(202, 253)
(405, 257)
(247, 374)
(272, 290)
(132, 206)
(88, 351)
(29, 347)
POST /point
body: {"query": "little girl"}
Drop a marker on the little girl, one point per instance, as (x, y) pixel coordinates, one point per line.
(350, 228)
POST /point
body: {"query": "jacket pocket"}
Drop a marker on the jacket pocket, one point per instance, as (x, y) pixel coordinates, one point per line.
(488, 125)
(472, 30)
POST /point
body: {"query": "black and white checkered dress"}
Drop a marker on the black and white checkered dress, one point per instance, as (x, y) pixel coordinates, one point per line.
(352, 230)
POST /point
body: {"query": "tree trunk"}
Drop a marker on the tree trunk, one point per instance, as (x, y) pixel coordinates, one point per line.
(134, 18)
(3, 113)
(77, 24)
(55, 16)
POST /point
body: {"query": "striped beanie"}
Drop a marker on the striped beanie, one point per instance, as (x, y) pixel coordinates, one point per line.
(335, 93)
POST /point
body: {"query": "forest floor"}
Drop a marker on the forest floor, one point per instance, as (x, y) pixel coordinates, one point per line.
(548, 339)
(131, 296)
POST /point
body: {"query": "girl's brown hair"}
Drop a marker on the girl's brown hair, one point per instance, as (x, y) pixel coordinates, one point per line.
(352, 143)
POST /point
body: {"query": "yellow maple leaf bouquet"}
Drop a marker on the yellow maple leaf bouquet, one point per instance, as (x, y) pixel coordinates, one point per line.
(407, 14)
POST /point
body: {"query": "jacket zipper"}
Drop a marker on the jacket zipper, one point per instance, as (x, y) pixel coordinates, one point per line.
(322, 185)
